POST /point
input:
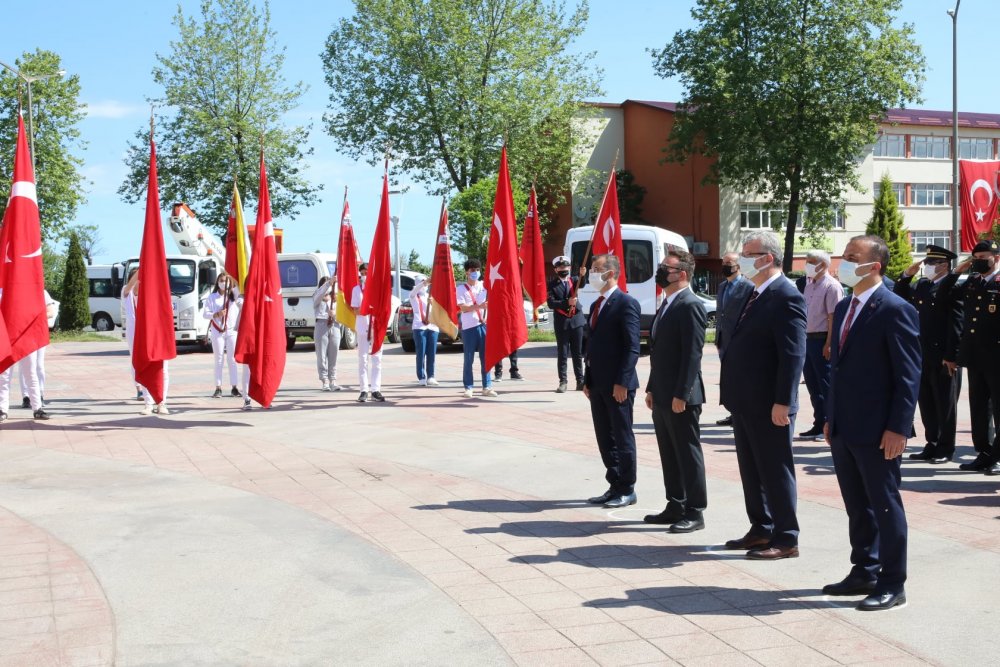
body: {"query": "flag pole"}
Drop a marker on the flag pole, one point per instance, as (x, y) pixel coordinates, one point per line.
(590, 244)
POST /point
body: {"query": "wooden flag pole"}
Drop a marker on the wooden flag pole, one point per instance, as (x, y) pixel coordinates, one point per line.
(590, 244)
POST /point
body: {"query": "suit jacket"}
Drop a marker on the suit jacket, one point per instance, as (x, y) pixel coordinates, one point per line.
(613, 345)
(981, 327)
(558, 300)
(875, 378)
(762, 362)
(728, 313)
(940, 309)
(675, 346)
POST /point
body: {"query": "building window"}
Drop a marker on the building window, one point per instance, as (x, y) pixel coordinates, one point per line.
(773, 216)
(920, 240)
(938, 148)
(930, 194)
(975, 149)
(891, 145)
(897, 188)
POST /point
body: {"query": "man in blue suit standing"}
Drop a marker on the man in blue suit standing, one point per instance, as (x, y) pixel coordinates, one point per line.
(875, 379)
(610, 380)
(761, 367)
(729, 299)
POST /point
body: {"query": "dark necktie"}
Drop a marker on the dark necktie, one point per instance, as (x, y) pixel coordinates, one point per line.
(855, 302)
(723, 292)
(746, 308)
(597, 309)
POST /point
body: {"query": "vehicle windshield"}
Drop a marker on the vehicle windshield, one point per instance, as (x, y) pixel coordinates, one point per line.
(180, 272)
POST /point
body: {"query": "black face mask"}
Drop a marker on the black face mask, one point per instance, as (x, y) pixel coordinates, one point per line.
(662, 276)
(728, 270)
(563, 273)
(981, 266)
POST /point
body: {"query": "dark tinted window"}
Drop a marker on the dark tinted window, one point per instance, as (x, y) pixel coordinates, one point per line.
(100, 287)
(298, 273)
(406, 282)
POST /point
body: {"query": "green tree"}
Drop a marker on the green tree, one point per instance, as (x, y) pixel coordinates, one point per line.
(89, 237)
(413, 263)
(223, 83)
(74, 311)
(630, 194)
(56, 116)
(470, 214)
(887, 222)
(445, 81)
(786, 95)
(54, 267)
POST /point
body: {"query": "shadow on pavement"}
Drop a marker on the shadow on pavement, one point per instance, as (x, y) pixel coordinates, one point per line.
(502, 505)
(719, 601)
(627, 556)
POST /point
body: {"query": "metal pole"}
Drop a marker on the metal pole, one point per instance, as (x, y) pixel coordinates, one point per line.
(954, 127)
(395, 241)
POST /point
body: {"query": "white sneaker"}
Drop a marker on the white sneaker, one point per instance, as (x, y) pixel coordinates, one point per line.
(335, 387)
(148, 410)
(431, 382)
(467, 393)
(246, 403)
(422, 382)
(326, 386)
(490, 393)
(162, 409)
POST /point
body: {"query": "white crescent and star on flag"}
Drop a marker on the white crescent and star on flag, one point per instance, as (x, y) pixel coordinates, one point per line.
(984, 185)
(27, 190)
(609, 231)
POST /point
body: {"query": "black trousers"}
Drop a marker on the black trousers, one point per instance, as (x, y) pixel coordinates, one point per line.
(938, 400)
(678, 437)
(984, 409)
(615, 438)
(569, 342)
(513, 364)
(764, 456)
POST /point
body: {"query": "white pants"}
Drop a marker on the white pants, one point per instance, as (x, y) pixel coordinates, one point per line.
(130, 339)
(148, 398)
(39, 371)
(26, 367)
(244, 379)
(369, 365)
(224, 347)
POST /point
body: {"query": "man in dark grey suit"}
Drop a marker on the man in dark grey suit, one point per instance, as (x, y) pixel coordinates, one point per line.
(675, 394)
(730, 296)
(761, 368)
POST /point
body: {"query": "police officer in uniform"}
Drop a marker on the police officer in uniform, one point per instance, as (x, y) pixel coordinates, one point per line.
(978, 352)
(568, 322)
(939, 306)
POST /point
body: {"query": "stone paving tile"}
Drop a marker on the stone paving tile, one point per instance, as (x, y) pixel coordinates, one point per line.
(625, 653)
(568, 657)
(601, 633)
(791, 656)
(695, 645)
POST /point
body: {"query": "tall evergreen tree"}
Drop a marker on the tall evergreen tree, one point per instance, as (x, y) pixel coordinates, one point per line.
(74, 311)
(887, 222)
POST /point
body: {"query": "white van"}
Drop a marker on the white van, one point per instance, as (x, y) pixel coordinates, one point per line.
(644, 247)
(105, 297)
(300, 275)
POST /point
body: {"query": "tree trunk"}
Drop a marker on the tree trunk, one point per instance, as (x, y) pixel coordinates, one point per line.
(794, 201)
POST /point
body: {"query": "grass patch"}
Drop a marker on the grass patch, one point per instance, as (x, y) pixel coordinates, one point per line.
(81, 337)
(541, 336)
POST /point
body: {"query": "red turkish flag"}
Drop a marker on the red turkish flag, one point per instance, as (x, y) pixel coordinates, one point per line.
(260, 341)
(979, 196)
(154, 311)
(506, 330)
(377, 300)
(23, 323)
(348, 259)
(531, 255)
(444, 300)
(607, 235)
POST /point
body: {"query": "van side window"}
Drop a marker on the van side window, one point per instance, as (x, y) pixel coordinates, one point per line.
(298, 273)
(638, 260)
(100, 287)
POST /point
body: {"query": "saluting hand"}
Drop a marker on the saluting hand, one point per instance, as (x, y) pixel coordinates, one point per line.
(912, 269)
(892, 445)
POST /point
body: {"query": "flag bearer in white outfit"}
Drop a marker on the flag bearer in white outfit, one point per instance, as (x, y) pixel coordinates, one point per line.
(369, 365)
(223, 309)
(26, 367)
(130, 295)
(51, 313)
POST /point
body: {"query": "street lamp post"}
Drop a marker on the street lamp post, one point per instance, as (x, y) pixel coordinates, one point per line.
(28, 79)
(953, 13)
(395, 240)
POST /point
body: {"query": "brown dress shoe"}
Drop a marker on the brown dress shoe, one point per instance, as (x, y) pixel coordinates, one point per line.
(773, 553)
(748, 541)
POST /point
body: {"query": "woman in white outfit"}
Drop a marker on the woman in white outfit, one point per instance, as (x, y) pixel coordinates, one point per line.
(223, 310)
(326, 333)
(130, 294)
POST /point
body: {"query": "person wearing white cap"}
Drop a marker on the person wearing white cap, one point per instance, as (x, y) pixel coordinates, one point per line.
(568, 322)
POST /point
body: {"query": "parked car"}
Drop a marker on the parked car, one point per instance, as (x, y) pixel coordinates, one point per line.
(709, 303)
(406, 325)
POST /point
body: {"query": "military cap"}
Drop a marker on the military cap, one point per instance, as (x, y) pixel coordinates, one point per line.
(939, 253)
(987, 245)
(561, 260)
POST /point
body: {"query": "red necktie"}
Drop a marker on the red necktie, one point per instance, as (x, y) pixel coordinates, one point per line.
(855, 302)
(597, 309)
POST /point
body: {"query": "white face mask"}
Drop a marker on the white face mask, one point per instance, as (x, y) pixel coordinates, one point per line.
(747, 267)
(596, 281)
(848, 272)
(811, 270)
(930, 271)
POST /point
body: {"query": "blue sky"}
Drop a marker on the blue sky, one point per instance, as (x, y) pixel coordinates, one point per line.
(112, 44)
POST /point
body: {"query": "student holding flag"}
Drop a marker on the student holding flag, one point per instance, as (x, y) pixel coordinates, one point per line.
(425, 334)
(472, 304)
(369, 363)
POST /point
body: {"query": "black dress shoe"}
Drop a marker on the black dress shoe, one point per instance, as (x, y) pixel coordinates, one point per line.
(850, 586)
(25, 402)
(940, 458)
(993, 470)
(603, 498)
(882, 601)
(363, 397)
(981, 463)
(41, 414)
(688, 525)
(666, 517)
(561, 389)
(812, 433)
(515, 375)
(621, 501)
(579, 385)
(926, 454)
(726, 421)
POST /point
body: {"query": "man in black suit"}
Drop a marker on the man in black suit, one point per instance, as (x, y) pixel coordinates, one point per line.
(761, 367)
(939, 306)
(610, 380)
(874, 382)
(675, 394)
(568, 322)
(732, 293)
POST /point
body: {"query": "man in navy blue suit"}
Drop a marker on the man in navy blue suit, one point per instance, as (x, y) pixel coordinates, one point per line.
(875, 379)
(610, 380)
(761, 366)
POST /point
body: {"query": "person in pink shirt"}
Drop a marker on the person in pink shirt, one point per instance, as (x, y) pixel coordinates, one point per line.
(822, 293)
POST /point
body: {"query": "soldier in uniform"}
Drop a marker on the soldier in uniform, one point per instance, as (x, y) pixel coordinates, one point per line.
(939, 306)
(568, 321)
(978, 352)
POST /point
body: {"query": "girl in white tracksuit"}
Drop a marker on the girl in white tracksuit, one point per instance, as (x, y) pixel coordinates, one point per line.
(223, 309)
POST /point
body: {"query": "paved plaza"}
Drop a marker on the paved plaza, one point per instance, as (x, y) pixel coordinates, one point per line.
(433, 530)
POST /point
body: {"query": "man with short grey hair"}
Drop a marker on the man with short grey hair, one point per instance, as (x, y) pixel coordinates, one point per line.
(822, 294)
